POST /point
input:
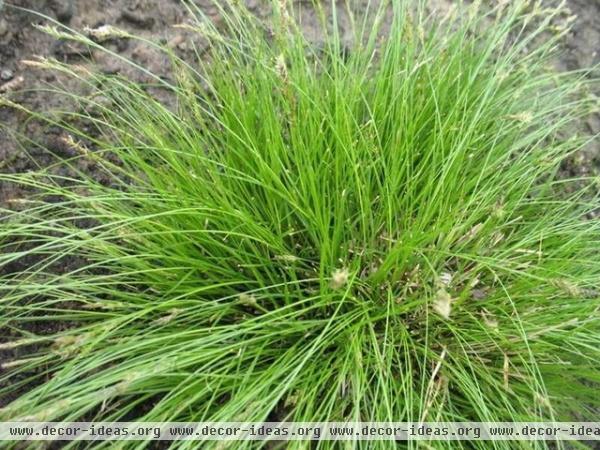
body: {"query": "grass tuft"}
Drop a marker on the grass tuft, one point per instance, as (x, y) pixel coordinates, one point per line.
(372, 229)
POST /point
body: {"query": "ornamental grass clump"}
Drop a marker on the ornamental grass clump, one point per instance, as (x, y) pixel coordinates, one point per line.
(371, 229)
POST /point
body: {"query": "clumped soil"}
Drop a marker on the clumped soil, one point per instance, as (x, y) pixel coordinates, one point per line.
(155, 19)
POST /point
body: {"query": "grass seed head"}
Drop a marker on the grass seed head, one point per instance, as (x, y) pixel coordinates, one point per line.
(339, 278)
(442, 304)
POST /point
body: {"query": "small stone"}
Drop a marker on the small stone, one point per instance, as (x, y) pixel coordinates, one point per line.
(6, 75)
(3, 27)
(175, 41)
